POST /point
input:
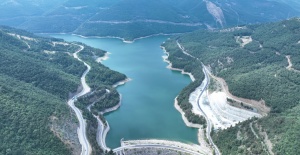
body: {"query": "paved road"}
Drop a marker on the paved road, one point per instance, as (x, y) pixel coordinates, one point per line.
(184, 51)
(81, 131)
(86, 148)
(156, 146)
(209, 124)
(207, 79)
(101, 134)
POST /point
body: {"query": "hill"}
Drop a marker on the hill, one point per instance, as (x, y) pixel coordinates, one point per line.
(131, 19)
(259, 62)
(37, 77)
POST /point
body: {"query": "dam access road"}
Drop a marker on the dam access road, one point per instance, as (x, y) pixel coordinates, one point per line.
(81, 131)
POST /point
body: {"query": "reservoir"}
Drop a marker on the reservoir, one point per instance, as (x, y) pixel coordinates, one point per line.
(147, 110)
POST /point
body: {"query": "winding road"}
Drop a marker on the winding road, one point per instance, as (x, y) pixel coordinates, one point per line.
(207, 80)
(81, 131)
(290, 66)
(101, 134)
(209, 124)
(184, 51)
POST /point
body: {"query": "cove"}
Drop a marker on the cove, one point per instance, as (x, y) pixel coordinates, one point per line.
(147, 110)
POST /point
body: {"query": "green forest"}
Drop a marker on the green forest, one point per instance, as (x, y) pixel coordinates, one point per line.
(102, 96)
(183, 102)
(34, 87)
(256, 70)
(127, 19)
(37, 77)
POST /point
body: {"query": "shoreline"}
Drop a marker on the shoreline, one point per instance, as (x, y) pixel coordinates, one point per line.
(187, 123)
(122, 82)
(123, 39)
(103, 58)
(165, 59)
(114, 37)
(107, 110)
(106, 128)
(102, 133)
(200, 135)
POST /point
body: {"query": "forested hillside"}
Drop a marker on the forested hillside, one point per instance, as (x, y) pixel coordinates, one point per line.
(103, 95)
(131, 19)
(257, 62)
(37, 76)
(34, 89)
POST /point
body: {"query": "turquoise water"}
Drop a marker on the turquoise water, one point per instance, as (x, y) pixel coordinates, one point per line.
(147, 109)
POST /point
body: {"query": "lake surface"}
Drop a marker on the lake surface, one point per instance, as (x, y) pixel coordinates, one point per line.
(147, 110)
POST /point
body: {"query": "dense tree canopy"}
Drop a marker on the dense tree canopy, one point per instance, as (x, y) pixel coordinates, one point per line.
(37, 76)
(253, 62)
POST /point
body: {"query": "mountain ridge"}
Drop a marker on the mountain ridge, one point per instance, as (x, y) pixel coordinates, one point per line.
(77, 17)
